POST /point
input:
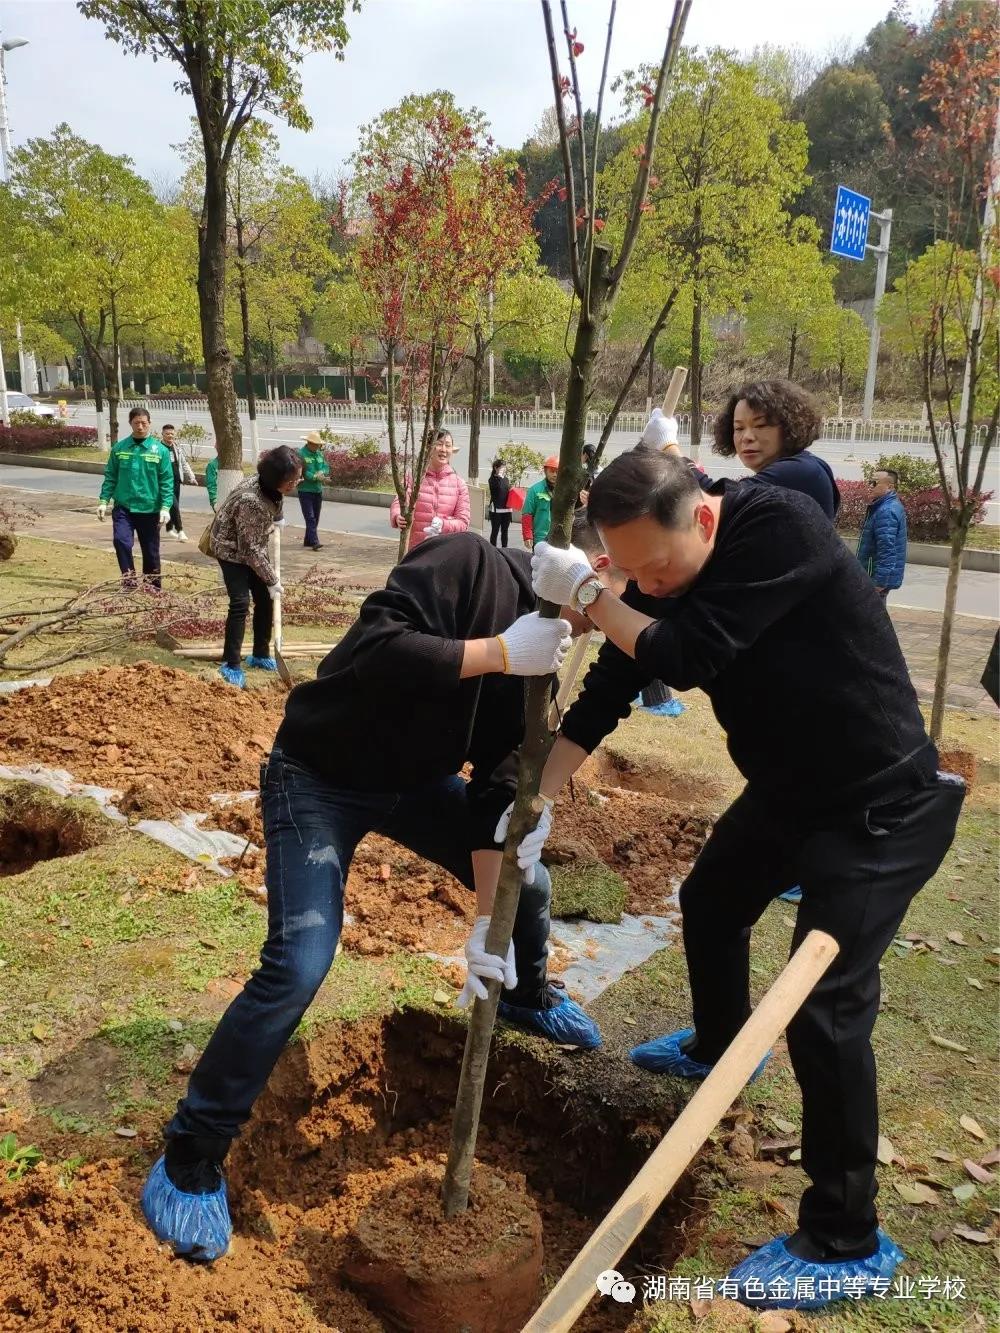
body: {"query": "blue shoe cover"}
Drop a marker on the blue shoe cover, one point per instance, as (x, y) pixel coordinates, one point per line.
(262, 663)
(233, 676)
(774, 1279)
(566, 1024)
(671, 708)
(793, 895)
(196, 1225)
(663, 1055)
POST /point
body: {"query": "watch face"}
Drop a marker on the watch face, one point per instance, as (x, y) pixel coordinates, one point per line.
(589, 593)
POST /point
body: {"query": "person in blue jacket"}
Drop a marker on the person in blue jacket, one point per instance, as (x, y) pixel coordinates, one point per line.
(882, 548)
(769, 426)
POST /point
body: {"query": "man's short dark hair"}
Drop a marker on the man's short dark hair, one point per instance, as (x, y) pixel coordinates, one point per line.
(585, 536)
(892, 474)
(278, 465)
(138, 412)
(643, 482)
(168, 426)
(780, 403)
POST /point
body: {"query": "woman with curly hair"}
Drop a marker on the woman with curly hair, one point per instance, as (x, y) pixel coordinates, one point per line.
(769, 426)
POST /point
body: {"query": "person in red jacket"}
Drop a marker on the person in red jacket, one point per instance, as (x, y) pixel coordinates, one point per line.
(443, 499)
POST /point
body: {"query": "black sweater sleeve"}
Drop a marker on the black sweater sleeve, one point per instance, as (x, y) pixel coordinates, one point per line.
(409, 634)
(757, 574)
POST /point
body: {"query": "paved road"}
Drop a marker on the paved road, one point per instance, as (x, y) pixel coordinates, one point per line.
(844, 457)
(978, 593)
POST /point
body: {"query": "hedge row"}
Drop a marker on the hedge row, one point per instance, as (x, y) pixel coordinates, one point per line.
(356, 472)
(925, 517)
(33, 439)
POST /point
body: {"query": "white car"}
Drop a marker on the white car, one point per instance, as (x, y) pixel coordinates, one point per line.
(20, 402)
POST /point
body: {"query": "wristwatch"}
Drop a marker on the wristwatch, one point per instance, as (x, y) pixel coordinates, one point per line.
(588, 593)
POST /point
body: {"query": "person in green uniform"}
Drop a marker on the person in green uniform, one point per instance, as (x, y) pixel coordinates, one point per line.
(315, 470)
(536, 514)
(212, 480)
(139, 489)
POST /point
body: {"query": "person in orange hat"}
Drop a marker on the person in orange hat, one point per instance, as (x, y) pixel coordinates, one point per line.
(536, 513)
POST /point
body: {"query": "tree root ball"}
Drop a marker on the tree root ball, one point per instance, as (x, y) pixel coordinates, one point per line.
(479, 1272)
(8, 545)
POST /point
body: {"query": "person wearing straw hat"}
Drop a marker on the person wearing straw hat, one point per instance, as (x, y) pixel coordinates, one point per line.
(315, 469)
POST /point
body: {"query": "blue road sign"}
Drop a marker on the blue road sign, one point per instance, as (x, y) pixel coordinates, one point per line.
(849, 234)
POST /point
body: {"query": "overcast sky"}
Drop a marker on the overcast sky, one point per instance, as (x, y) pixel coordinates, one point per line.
(489, 53)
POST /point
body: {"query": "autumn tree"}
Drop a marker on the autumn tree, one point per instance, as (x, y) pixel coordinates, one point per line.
(235, 61)
(945, 307)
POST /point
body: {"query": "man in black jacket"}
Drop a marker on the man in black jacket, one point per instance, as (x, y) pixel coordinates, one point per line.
(428, 679)
(747, 592)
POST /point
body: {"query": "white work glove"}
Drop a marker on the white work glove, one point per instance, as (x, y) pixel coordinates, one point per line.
(556, 575)
(280, 522)
(660, 430)
(276, 590)
(189, 476)
(164, 517)
(434, 527)
(102, 510)
(535, 647)
(483, 966)
(529, 853)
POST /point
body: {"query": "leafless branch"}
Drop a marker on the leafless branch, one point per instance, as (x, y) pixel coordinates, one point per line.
(578, 100)
(557, 92)
(647, 351)
(674, 37)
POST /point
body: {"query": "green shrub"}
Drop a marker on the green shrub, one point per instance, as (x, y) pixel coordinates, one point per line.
(519, 460)
(192, 433)
(18, 418)
(303, 391)
(915, 474)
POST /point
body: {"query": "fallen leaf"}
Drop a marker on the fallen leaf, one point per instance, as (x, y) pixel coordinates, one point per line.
(948, 1045)
(795, 1156)
(968, 1233)
(964, 1192)
(975, 982)
(124, 1132)
(630, 1021)
(915, 1194)
(40, 1032)
(777, 1206)
(972, 1127)
(939, 1235)
(991, 1158)
(773, 1322)
(978, 1172)
(784, 1126)
(956, 937)
(768, 1147)
(886, 1152)
(943, 1155)
(441, 997)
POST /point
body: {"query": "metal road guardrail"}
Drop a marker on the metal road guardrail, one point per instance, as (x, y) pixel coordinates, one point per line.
(880, 430)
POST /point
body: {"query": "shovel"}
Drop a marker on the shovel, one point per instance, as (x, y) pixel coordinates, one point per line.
(283, 671)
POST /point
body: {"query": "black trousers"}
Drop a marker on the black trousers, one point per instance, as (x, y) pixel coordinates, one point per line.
(311, 504)
(499, 527)
(176, 523)
(858, 873)
(242, 583)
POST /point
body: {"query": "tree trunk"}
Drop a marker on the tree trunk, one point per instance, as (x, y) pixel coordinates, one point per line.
(840, 378)
(247, 357)
(791, 353)
(534, 751)
(651, 369)
(145, 371)
(696, 376)
(958, 538)
(212, 310)
(475, 423)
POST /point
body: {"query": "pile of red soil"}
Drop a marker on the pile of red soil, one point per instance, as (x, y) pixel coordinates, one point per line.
(166, 736)
(645, 838)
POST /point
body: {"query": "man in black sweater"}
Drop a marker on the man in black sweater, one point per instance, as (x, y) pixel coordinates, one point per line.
(747, 592)
(428, 679)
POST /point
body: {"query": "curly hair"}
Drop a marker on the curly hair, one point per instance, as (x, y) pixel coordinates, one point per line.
(781, 403)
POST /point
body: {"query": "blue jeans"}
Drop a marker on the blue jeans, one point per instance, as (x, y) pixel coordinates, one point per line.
(311, 503)
(125, 527)
(310, 831)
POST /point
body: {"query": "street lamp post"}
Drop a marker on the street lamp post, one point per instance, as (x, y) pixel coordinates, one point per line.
(25, 360)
